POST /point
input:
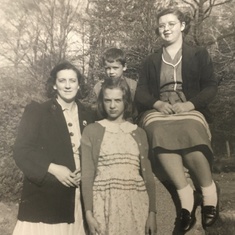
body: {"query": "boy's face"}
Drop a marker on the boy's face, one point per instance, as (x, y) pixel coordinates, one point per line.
(114, 69)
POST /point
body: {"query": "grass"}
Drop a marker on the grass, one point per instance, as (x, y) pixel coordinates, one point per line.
(226, 222)
(224, 226)
(8, 212)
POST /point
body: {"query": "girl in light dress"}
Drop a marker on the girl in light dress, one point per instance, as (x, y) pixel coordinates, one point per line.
(117, 180)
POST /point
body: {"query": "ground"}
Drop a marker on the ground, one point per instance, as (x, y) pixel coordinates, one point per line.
(226, 223)
(225, 226)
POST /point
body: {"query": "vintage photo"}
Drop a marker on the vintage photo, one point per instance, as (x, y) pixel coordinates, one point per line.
(117, 117)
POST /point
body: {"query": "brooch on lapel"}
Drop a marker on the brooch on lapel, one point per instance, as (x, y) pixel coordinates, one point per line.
(84, 123)
(54, 107)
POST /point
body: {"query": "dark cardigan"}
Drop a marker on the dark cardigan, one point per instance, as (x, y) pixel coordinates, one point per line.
(199, 83)
(43, 138)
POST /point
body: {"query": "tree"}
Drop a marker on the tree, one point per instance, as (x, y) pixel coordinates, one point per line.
(41, 33)
(14, 37)
(201, 10)
(128, 24)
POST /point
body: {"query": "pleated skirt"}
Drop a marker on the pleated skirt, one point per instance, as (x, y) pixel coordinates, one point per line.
(177, 132)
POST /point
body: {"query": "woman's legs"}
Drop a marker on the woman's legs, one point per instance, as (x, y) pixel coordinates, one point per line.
(197, 163)
(199, 166)
(173, 166)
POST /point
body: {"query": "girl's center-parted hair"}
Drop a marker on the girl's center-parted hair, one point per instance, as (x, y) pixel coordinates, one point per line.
(121, 84)
(114, 54)
(65, 65)
(182, 17)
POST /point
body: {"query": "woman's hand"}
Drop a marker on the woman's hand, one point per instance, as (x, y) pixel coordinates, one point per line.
(186, 173)
(77, 176)
(92, 223)
(63, 174)
(151, 225)
(183, 107)
(163, 107)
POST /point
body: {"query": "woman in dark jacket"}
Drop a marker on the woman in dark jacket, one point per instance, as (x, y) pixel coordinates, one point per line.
(47, 150)
(175, 86)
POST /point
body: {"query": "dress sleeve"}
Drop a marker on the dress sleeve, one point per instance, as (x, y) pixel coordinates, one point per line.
(29, 154)
(87, 168)
(208, 82)
(148, 173)
(143, 96)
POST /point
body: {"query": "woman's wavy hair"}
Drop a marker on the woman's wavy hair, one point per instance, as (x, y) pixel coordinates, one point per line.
(65, 65)
(121, 84)
(182, 17)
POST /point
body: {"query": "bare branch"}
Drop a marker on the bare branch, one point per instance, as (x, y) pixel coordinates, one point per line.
(220, 38)
(221, 3)
(190, 2)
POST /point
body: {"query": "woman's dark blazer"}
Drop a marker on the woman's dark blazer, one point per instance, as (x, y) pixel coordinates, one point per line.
(43, 138)
(199, 82)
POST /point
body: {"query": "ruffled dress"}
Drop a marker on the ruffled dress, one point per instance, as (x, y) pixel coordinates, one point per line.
(76, 228)
(119, 194)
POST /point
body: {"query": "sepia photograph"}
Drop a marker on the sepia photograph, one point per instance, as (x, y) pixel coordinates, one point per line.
(117, 117)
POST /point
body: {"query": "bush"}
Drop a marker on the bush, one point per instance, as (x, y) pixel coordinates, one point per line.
(16, 92)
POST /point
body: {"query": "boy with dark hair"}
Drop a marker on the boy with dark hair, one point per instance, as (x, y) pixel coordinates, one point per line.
(114, 62)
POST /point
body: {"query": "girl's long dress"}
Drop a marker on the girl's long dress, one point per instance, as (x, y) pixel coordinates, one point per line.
(76, 228)
(119, 194)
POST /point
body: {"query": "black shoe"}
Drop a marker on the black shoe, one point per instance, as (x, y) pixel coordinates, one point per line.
(187, 220)
(210, 213)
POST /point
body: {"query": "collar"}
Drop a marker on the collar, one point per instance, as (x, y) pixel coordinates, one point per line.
(64, 108)
(113, 127)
